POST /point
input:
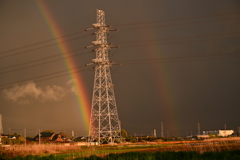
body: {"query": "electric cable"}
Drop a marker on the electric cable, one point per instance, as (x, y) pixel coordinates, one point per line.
(41, 42)
(168, 25)
(49, 45)
(126, 62)
(45, 77)
(49, 61)
(122, 29)
(128, 42)
(180, 19)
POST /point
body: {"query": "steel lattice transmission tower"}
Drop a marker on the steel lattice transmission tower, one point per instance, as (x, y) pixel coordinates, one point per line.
(104, 122)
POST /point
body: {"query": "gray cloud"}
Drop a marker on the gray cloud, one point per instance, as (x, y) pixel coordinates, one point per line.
(27, 93)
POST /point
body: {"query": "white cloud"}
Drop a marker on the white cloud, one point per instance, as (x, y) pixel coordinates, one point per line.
(70, 83)
(27, 93)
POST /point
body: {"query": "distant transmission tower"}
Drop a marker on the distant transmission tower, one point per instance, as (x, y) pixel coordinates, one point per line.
(1, 129)
(104, 122)
(198, 128)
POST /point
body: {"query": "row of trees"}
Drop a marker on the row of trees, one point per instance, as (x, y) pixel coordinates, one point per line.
(127, 138)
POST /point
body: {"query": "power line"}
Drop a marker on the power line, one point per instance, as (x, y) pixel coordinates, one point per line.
(179, 59)
(128, 42)
(45, 77)
(49, 61)
(37, 60)
(126, 62)
(52, 39)
(178, 42)
(77, 32)
(180, 38)
(180, 19)
(62, 74)
(167, 25)
(49, 45)
(45, 41)
(187, 18)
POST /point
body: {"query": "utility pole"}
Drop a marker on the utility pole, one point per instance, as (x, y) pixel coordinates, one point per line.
(104, 121)
(72, 133)
(162, 134)
(39, 137)
(1, 129)
(25, 136)
(198, 128)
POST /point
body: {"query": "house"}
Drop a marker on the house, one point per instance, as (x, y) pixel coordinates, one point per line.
(57, 138)
(50, 137)
(80, 139)
(29, 139)
(44, 137)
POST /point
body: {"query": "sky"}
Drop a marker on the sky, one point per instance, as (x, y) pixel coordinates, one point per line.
(179, 61)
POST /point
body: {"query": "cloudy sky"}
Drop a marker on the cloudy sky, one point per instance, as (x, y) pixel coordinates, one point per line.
(180, 64)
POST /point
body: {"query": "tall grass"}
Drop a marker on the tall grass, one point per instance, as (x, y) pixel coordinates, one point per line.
(54, 151)
(169, 155)
(35, 149)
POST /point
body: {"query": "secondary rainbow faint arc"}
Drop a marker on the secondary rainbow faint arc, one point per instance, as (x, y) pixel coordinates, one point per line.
(166, 99)
(55, 30)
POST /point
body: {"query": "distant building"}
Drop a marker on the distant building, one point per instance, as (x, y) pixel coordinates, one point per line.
(220, 133)
(44, 137)
(51, 137)
(202, 136)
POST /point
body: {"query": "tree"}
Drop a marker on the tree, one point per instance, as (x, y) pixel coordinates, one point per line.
(16, 135)
(124, 133)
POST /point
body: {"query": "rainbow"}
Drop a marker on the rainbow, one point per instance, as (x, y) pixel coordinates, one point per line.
(165, 92)
(55, 30)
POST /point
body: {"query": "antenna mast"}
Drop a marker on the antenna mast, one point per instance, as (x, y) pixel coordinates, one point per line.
(104, 122)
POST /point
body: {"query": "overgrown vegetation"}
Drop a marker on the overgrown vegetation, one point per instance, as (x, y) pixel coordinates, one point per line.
(169, 155)
(196, 151)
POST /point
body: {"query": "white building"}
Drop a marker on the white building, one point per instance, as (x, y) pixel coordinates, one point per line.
(221, 133)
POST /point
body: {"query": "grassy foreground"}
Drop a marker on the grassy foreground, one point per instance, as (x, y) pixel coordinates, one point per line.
(193, 151)
(169, 155)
